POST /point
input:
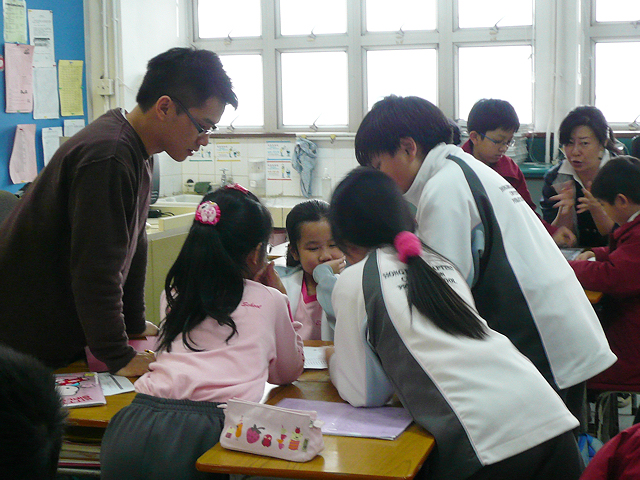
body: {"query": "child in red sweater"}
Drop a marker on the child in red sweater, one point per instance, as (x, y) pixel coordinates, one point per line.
(616, 272)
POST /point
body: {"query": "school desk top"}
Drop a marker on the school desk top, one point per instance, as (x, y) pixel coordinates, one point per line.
(364, 458)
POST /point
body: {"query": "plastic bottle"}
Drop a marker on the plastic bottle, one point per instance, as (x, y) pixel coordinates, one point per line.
(326, 186)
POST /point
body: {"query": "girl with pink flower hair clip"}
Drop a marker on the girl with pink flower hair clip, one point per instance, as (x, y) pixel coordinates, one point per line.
(228, 330)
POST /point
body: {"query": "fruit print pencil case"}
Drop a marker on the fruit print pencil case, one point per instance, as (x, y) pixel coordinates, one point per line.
(284, 433)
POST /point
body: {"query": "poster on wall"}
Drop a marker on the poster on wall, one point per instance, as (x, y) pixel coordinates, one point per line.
(18, 78)
(15, 21)
(22, 164)
(41, 37)
(229, 152)
(279, 160)
(70, 87)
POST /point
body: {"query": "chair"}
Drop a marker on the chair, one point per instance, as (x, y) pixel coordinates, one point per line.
(8, 202)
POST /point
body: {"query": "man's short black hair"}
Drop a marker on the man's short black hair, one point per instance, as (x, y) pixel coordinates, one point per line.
(190, 75)
(490, 114)
(31, 418)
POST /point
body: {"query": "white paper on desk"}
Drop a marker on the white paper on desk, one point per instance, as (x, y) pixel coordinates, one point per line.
(114, 384)
(50, 141)
(314, 358)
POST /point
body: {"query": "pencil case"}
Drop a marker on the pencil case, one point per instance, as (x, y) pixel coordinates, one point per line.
(284, 433)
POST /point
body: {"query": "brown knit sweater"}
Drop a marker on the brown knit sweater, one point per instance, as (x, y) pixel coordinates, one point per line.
(73, 255)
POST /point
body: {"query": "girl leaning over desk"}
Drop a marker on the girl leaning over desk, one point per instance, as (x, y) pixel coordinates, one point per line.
(406, 324)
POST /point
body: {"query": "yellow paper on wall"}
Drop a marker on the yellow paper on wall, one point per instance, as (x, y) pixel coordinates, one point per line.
(70, 87)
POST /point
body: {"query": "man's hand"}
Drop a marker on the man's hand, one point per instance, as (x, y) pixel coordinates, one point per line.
(138, 365)
(149, 329)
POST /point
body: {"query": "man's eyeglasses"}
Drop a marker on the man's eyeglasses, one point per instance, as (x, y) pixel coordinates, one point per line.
(508, 144)
(201, 130)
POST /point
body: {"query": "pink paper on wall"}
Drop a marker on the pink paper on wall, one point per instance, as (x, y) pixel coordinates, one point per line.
(22, 164)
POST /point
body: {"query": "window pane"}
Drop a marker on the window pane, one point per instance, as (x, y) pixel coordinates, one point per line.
(405, 14)
(512, 83)
(245, 72)
(314, 89)
(301, 17)
(486, 13)
(383, 79)
(617, 10)
(616, 94)
(219, 18)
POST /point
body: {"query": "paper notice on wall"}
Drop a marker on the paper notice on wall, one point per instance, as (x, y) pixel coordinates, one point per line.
(229, 152)
(41, 37)
(72, 126)
(70, 86)
(22, 164)
(50, 141)
(15, 21)
(279, 160)
(18, 78)
(45, 93)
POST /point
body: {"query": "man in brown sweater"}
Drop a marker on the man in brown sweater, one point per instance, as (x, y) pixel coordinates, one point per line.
(73, 255)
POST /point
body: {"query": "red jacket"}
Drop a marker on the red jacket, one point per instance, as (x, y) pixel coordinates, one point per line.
(616, 273)
(618, 459)
(510, 171)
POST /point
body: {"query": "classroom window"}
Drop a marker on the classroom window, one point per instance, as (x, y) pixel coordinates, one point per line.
(224, 18)
(617, 10)
(245, 72)
(405, 14)
(314, 89)
(304, 17)
(487, 13)
(513, 83)
(615, 70)
(384, 75)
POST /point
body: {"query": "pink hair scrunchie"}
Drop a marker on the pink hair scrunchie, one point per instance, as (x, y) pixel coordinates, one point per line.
(407, 245)
(208, 213)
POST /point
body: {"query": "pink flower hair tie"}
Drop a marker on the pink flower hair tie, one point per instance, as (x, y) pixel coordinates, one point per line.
(208, 213)
(407, 245)
(236, 186)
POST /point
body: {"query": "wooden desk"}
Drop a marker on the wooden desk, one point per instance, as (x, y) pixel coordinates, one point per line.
(594, 297)
(362, 458)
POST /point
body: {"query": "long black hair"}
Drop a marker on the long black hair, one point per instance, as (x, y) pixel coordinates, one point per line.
(207, 278)
(368, 210)
(588, 116)
(309, 211)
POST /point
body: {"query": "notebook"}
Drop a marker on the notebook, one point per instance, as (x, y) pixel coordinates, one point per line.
(79, 389)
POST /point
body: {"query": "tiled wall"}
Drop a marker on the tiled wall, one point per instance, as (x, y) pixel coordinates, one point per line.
(337, 157)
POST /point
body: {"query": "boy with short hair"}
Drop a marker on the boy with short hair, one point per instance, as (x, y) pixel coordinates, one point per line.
(521, 283)
(616, 272)
(492, 123)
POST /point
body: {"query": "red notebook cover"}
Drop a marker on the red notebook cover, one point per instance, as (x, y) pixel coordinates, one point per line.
(140, 344)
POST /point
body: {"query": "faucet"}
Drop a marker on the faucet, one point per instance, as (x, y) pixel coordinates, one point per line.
(223, 178)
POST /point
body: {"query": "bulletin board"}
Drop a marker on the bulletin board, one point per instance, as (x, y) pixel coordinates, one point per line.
(68, 32)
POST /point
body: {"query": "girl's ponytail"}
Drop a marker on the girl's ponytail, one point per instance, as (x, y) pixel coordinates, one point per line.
(367, 210)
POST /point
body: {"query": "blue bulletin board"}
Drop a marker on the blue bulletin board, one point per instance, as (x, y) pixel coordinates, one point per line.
(68, 37)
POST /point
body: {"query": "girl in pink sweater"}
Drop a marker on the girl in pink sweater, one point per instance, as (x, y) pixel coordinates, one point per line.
(228, 330)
